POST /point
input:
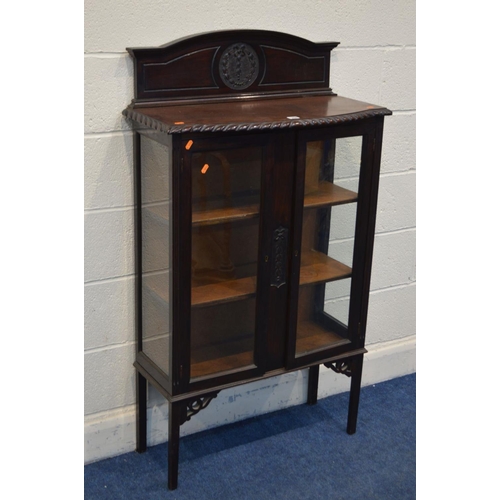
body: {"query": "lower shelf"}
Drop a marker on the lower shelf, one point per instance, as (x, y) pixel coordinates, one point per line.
(222, 356)
(212, 359)
(312, 337)
(214, 366)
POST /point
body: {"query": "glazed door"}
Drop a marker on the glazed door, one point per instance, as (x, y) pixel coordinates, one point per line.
(332, 198)
(226, 179)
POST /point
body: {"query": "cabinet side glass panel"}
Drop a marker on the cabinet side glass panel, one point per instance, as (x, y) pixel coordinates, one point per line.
(156, 210)
(225, 238)
(329, 217)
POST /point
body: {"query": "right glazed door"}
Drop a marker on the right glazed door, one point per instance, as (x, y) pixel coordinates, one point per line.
(324, 315)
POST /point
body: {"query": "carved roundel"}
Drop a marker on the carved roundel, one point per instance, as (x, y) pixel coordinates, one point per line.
(239, 66)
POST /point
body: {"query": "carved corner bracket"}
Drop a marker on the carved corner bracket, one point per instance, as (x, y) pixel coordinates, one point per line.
(343, 367)
(195, 405)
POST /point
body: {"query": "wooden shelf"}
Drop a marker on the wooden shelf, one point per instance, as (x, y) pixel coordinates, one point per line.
(316, 267)
(226, 363)
(224, 356)
(313, 337)
(223, 291)
(248, 208)
(327, 194)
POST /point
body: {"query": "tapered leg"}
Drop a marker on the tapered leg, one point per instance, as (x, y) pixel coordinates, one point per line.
(174, 424)
(356, 369)
(141, 415)
(312, 385)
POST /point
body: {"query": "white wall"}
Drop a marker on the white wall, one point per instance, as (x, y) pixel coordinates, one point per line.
(375, 62)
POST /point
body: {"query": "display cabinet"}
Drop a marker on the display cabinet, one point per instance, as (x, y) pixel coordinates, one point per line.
(256, 194)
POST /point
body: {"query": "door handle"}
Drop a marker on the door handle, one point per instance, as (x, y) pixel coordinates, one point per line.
(279, 256)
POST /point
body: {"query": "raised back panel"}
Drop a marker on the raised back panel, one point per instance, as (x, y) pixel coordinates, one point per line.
(232, 64)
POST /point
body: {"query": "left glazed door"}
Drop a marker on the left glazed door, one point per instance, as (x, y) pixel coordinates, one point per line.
(224, 177)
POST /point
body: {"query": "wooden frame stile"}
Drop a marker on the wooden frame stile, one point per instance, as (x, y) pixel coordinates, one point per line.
(181, 266)
(181, 215)
(250, 89)
(374, 147)
(141, 381)
(263, 269)
(280, 213)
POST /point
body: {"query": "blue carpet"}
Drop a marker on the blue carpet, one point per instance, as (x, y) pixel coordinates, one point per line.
(299, 453)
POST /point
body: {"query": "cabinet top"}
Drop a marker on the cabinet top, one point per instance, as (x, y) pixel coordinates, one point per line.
(254, 115)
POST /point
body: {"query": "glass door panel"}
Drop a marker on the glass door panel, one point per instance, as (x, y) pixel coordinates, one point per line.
(329, 217)
(226, 186)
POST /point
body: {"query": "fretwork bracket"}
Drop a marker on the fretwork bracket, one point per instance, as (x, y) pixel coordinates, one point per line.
(195, 405)
(343, 367)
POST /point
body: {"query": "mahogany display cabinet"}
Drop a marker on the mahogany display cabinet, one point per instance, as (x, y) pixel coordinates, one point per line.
(256, 194)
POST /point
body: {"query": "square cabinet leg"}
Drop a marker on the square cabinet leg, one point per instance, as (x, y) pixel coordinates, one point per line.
(141, 414)
(312, 385)
(356, 370)
(174, 424)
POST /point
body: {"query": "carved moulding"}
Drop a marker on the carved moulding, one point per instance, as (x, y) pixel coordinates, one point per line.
(147, 121)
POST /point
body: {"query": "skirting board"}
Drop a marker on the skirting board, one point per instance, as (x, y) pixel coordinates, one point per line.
(112, 433)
